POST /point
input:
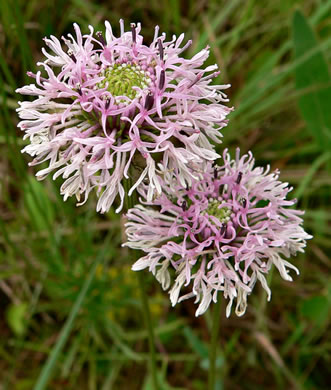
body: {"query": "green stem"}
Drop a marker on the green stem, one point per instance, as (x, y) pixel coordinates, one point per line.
(214, 344)
(148, 321)
(131, 201)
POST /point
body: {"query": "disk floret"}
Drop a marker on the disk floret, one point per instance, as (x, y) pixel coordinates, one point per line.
(215, 208)
(125, 79)
(107, 105)
(221, 235)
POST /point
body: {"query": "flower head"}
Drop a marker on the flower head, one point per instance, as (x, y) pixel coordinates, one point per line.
(220, 235)
(104, 104)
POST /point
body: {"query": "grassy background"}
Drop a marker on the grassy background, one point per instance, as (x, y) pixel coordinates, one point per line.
(70, 315)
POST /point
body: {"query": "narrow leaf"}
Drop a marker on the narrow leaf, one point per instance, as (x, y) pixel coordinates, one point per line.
(48, 368)
(315, 105)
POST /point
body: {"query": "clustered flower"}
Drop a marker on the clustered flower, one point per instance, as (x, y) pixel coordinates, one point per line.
(222, 234)
(113, 110)
(106, 105)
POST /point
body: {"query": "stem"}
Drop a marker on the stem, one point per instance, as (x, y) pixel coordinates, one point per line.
(131, 201)
(148, 321)
(214, 344)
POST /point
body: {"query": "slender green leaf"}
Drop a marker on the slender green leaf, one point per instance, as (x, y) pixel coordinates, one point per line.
(315, 106)
(195, 343)
(48, 368)
(321, 12)
(216, 23)
(310, 173)
(38, 204)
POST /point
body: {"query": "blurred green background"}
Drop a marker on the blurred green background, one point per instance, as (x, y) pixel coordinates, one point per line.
(67, 295)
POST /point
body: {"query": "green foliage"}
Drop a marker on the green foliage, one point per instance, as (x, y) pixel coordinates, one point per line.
(312, 76)
(16, 318)
(71, 316)
(316, 309)
(46, 372)
(38, 205)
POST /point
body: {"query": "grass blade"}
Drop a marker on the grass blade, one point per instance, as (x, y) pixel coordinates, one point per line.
(48, 368)
(314, 107)
(310, 174)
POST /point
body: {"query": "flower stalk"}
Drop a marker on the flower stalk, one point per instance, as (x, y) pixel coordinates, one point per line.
(213, 347)
(150, 331)
(130, 203)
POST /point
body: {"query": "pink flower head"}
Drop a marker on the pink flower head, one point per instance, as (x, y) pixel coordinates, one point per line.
(105, 104)
(222, 234)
